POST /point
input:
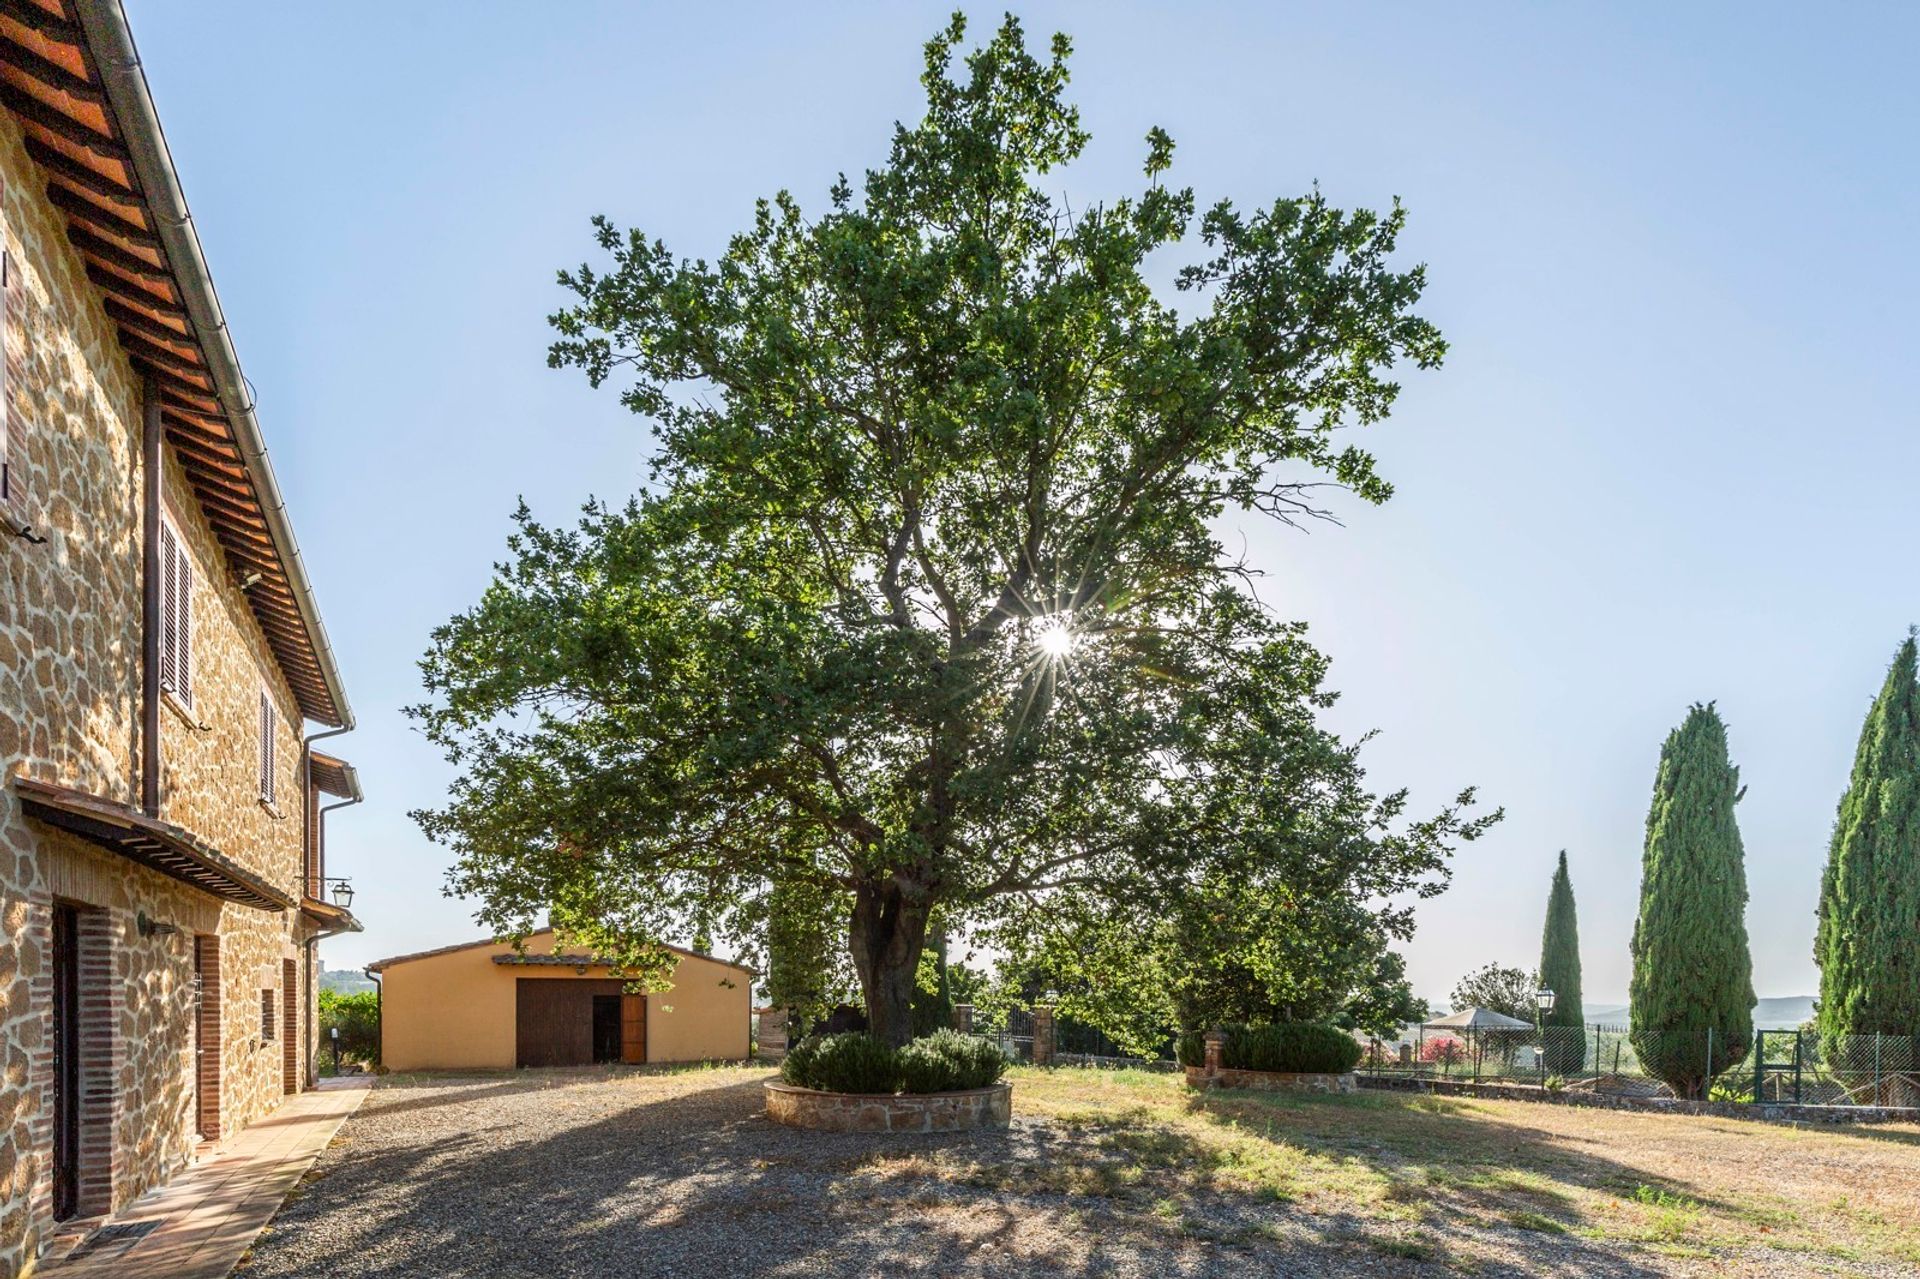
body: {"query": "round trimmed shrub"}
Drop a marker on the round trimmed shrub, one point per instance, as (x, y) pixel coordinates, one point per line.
(853, 1062)
(948, 1061)
(945, 1061)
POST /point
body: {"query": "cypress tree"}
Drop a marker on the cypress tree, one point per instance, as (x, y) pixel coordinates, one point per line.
(1692, 971)
(1566, 1025)
(1868, 941)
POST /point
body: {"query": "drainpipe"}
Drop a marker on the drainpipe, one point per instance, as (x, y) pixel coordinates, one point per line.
(309, 836)
(151, 463)
(312, 1011)
(379, 1014)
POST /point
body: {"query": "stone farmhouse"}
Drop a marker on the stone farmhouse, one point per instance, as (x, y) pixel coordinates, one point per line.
(163, 879)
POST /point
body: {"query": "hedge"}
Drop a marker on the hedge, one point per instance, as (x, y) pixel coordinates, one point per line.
(857, 1062)
(1294, 1047)
(357, 1017)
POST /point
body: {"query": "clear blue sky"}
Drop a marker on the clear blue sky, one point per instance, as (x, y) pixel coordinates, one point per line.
(1670, 457)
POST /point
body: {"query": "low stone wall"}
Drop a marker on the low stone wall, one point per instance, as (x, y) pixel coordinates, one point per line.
(1269, 1080)
(1778, 1112)
(877, 1112)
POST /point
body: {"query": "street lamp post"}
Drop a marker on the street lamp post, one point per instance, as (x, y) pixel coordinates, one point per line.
(1542, 1005)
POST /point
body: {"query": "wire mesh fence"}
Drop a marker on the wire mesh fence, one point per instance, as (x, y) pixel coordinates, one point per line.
(1770, 1065)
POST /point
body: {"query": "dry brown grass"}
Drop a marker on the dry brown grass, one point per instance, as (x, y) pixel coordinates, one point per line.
(1447, 1179)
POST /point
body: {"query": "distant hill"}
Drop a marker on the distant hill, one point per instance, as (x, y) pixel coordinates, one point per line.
(1783, 1012)
(344, 981)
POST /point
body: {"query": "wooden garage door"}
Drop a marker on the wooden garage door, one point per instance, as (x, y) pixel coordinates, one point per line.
(553, 1020)
(633, 1029)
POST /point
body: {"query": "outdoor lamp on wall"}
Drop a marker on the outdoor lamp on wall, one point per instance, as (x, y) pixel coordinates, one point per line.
(147, 926)
(342, 894)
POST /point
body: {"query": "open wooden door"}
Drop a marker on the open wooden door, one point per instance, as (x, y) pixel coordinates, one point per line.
(633, 1029)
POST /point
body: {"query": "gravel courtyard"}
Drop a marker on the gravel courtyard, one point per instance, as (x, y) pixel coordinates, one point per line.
(607, 1172)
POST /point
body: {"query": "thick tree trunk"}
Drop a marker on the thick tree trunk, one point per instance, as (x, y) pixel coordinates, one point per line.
(888, 931)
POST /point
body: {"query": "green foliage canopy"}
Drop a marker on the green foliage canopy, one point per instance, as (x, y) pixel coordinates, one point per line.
(924, 603)
(1692, 971)
(1504, 990)
(1868, 941)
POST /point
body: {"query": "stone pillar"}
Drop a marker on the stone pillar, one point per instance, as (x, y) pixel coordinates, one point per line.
(773, 1033)
(1406, 1054)
(1043, 1034)
(1216, 1044)
(963, 1018)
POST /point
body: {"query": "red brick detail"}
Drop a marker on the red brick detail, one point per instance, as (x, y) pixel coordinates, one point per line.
(290, 1036)
(39, 1085)
(102, 1056)
(207, 1069)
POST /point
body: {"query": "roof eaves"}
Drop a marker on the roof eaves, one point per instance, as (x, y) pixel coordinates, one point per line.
(110, 41)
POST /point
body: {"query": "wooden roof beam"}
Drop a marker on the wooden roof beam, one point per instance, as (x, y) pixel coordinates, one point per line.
(62, 165)
(167, 378)
(133, 292)
(107, 251)
(60, 125)
(159, 356)
(50, 73)
(34, 18)
(101, 219)
(130, 317)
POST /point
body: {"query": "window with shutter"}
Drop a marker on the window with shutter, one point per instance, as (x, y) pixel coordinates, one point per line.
(176, 616)
(267, 724)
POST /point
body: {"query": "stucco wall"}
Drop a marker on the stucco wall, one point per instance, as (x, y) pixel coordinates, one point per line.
(70, 665)
(455, 1011)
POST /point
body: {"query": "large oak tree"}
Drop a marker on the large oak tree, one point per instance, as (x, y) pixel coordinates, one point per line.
(925, 604)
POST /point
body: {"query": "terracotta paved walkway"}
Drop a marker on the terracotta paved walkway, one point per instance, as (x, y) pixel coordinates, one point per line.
(210, 1214)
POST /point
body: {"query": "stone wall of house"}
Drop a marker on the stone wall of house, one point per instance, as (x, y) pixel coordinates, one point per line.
(70, 665)
(209, 784)
(69, 637)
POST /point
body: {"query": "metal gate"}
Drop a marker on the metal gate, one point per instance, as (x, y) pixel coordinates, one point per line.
(1779, 1065)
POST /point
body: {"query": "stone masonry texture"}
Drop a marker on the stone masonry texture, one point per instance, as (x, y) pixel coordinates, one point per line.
(857, 1112)
(70, 673)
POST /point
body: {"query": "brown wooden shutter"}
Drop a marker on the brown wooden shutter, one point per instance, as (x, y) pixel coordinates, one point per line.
(183, 644)
(266, 747)
(169, 599)
(13, 453)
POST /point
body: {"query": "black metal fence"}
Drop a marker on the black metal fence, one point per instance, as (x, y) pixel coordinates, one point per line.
(1772, 1065)
(1076, 1044)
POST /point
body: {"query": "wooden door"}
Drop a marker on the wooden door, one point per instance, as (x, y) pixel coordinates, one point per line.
(553, 1020)
(633, 1029)
(66, 1061)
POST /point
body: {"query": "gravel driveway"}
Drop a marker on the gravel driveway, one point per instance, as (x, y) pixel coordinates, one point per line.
(567, 1174)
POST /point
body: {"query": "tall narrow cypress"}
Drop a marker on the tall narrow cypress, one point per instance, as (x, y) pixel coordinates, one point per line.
(1692, 988)
(1566, 1034)
(1868, 942)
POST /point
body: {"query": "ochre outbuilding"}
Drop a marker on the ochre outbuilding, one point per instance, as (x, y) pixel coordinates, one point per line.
(484, 1005)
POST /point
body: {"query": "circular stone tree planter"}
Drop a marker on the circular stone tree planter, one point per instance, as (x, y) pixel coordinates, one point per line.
(1270, 1080)
(890, 1112)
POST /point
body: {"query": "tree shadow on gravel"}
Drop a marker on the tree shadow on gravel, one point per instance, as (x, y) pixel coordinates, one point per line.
(485, 1178)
